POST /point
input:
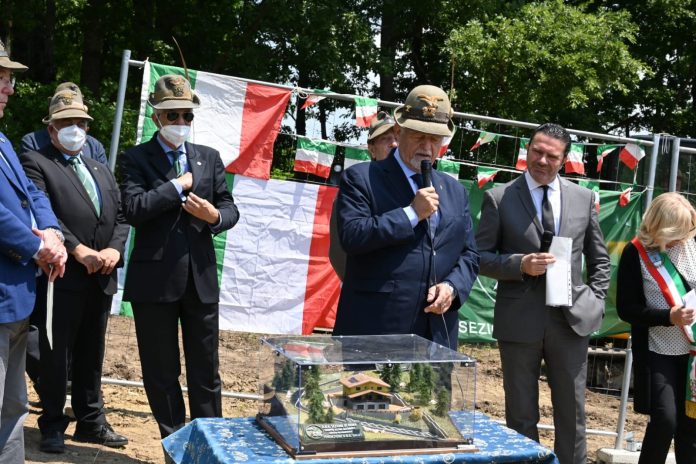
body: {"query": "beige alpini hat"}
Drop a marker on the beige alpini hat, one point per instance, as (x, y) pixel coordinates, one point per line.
(66, 104)
(427, 109)
(380, 124)
(6, 63)
(68, 86)
(173, 92)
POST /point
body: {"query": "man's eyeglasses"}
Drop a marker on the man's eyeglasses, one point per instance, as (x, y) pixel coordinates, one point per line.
(173, 116)
(8, 81)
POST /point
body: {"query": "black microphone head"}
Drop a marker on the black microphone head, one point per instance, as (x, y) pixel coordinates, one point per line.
(426, 171)
(546, 240)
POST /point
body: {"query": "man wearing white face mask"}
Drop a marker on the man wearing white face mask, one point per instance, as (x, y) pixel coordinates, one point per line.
(175, 195)
(84, 196)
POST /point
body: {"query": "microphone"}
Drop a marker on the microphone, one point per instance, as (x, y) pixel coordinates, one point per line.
(546, 239)
(427, 172)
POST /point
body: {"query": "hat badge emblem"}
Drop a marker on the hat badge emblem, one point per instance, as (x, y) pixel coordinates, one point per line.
(431, 104)
(65, 100)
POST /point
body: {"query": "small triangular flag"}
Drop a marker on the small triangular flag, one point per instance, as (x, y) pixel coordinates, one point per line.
(365, 110)
(314, 97)
(314, 157)
(485, 175)
(354, 155)
(451, 168)
(484, 138)
(625, 197)
(521, 164)
(631, 154)
(602, 152)
(594, 186)
(574, 161)
(445, 145)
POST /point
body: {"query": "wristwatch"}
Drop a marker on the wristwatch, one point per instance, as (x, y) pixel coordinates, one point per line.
(58, 233)
(454, 290)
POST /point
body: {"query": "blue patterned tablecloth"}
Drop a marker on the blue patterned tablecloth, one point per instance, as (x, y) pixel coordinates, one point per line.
(213, 441)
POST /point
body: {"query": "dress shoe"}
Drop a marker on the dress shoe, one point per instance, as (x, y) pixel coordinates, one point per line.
(102, 435)
(52, 442)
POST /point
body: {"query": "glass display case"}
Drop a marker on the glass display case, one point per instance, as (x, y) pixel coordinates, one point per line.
(366, 395)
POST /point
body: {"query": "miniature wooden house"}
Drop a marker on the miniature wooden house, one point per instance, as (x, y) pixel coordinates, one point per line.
(362, 392)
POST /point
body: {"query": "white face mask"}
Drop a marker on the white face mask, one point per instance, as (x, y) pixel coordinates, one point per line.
(175, 134)
(72, 138)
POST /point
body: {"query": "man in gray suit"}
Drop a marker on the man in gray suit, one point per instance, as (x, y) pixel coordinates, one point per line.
(518, 221)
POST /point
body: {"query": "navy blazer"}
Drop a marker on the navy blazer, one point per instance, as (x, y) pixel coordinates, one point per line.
(169, 242)
(76, 213)
(18, 195)
(388, 261)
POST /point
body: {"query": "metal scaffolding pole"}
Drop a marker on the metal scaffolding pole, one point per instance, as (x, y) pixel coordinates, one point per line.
(652, 168)
(118, 116)
(674, 167)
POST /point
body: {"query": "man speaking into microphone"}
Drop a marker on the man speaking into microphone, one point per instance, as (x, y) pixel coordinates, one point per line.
(411, 254)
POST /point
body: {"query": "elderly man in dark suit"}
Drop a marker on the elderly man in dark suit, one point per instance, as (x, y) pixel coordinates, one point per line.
(515, 220)
(175, 195)
(84, 196)
(36, 140)
(411, 255)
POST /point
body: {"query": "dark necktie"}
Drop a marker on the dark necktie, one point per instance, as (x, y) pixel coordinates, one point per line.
(547, 221)
(418, 179)
(85, 177)
(177, 164)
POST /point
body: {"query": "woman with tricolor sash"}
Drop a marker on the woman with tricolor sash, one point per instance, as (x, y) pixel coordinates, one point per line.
(656, 271)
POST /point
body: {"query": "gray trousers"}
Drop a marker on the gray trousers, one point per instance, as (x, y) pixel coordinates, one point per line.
(565, 355)
(13, 391)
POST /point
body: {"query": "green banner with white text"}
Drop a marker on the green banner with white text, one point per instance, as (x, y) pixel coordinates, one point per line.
(618, 224)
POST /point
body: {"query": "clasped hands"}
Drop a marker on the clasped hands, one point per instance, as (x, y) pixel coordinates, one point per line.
(52, 256)
(103, 261)
(195, 205)
(440, 297)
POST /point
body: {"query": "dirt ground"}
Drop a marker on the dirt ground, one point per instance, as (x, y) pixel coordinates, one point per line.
(129, 413)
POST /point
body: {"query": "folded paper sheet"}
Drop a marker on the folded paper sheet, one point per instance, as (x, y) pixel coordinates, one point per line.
(559, 287)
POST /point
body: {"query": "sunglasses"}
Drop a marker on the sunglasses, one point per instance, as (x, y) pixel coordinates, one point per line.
(173, 116)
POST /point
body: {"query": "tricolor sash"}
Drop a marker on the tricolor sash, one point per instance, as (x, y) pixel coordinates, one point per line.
(673, 289)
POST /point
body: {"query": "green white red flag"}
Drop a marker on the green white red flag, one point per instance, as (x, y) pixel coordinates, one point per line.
(521, 164)
(574, 163)
(594, 186)
(625, 197)
(602, 152)
(445, 145)
(485, 175)
(314, 157)
(365, 110)
(631, 154)
(239, 119)
(314, 97)
(484, 138)
(354, 155)
(451, 168)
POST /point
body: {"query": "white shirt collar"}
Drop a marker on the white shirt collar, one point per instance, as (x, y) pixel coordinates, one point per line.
(408, 172)
(533, 184)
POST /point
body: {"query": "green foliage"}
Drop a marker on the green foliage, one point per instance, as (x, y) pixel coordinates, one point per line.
(443, 403)
(285, 379)
(551, 61)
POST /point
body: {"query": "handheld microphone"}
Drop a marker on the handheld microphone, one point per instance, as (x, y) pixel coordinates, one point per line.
(546, 240)
(427, 172)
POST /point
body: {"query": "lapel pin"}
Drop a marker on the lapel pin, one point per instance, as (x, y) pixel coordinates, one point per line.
(198, 163)
(2, 140)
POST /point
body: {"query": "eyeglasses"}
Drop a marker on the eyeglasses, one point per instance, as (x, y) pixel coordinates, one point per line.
(173, 116)
(8, 81)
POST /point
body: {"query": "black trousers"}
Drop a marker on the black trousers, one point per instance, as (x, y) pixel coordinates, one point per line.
(79, 328)
(668, 419)
(157, 330)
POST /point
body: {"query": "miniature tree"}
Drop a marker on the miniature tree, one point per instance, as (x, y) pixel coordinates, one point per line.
(443, 403)
(386, 373)
(286, 378)
(415, 377)
(329, 416)
(313, 395)
(397, 418)
(416, 415)
(428, 378)
(395, 379)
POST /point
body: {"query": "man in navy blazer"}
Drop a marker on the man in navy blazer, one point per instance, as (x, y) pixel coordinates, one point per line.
(175, 195)
(412, 258)
(29, 235)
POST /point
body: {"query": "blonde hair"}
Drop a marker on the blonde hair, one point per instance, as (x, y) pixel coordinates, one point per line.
(670, 217)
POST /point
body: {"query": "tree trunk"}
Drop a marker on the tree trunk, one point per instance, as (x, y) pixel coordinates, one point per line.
(322, 121)
(300, 118)
(387, 50)
(92, 46)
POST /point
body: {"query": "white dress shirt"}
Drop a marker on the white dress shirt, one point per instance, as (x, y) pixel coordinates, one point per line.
(553, 195)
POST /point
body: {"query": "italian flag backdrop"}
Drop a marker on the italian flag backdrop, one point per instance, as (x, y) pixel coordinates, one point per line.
(273, 266)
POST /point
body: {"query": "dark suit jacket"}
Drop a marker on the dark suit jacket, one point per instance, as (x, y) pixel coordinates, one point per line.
(169, 241)
(19, 198)
(388, 261)
(34, 141)
(509, 229)
(76, 213)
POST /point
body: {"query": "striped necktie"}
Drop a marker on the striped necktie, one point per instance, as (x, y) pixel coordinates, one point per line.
(177, 164)
(87, 181)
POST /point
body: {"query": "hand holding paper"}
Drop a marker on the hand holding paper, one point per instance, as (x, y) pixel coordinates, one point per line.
(559, 289)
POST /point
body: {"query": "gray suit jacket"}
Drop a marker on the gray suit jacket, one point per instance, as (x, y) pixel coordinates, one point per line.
(509, 229)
